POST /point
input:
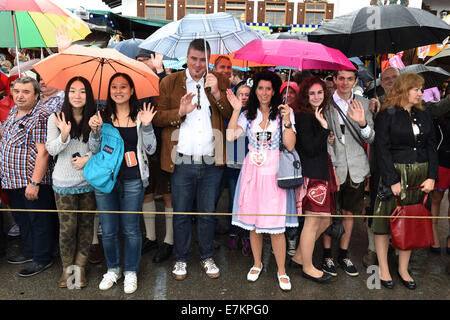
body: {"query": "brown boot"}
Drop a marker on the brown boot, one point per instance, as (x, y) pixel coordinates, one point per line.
(81, 261)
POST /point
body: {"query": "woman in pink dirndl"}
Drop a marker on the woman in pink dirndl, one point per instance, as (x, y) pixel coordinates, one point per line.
(261, 205)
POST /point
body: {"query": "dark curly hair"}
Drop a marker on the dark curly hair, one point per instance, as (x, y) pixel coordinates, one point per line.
(303, 96)
(253, 102)
(81, 130)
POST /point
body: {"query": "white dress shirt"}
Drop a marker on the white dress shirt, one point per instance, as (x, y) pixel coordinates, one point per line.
(196, 133)
(343, 105)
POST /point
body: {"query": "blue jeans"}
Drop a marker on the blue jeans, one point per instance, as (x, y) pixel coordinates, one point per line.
(199, 182)
(127, 195)
(37, 230)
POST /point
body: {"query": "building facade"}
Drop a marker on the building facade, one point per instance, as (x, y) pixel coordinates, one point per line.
(278, 12)
(275, 12)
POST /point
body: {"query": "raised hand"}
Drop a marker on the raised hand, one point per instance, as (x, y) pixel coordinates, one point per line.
(96, 122)
(186, 105)
(62, 38)
(157, 61)
(63, 126)
(357, 113)
(321, 118)
(234, 101)
(146, 114)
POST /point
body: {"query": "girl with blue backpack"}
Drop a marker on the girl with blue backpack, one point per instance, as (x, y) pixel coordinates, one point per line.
(122, 136)
(67, 141)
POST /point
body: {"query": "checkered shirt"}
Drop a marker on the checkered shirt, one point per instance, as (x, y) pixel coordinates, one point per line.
(18, 149)
(54, 103)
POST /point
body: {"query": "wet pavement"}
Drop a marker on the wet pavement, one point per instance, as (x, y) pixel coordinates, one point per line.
(156, 283)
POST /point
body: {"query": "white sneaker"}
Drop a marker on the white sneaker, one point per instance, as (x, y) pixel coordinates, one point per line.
(130, 282)
(210, 267)
(179, 271)
(109, 279)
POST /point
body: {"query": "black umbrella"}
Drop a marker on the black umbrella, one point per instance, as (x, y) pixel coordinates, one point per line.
(287, 35)
(364, 74)
(385, 29)
(370, 90)
(442, 59)
(381, 29)
(434, 76)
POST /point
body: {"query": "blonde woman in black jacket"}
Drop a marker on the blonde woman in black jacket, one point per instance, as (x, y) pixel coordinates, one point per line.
(406, 155)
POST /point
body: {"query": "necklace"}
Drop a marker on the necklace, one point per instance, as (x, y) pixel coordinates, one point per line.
(258, 157)
(118, 122)
(263, 138)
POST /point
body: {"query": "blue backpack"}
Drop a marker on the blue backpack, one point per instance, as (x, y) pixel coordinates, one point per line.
(103, 167)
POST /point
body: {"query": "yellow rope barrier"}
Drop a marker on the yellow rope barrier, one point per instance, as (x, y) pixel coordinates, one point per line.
(218, 214)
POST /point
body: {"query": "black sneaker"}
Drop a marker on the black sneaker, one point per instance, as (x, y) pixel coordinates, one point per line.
(148, 245)
(348, 267)
(34, 269)
(328, 267)
(19, 259)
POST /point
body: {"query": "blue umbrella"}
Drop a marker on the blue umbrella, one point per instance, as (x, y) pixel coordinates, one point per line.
(130, 48)
(356, 60)
(224, 33)
(176, 64)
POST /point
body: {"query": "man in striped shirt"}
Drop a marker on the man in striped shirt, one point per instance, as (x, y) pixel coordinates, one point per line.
(25, 175)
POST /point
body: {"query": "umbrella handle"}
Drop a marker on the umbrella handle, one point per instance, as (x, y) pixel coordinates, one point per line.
(208, 89)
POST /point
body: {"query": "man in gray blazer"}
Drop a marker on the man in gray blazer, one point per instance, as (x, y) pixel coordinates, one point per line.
(351, 121)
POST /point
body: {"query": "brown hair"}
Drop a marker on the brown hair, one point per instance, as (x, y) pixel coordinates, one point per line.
(398, 93)
(199, 45)
(303, 96)
(219, 58)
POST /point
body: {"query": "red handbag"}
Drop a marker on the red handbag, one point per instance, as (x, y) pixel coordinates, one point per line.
(411, 233)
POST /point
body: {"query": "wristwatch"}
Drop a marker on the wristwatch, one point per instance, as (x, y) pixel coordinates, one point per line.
(34, 183)
(287, 126)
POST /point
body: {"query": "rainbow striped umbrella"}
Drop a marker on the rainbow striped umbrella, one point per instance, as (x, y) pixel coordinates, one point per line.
(31, 23)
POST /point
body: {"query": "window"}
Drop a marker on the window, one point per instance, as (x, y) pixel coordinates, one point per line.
(314, 17)
(155, 9)
(275, 13)
(315, 13)
(237, 9)
(155, 13)
(195, 7)
(315, 7)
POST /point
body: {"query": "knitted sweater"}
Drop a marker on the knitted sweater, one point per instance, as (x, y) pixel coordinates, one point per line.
(66, 179)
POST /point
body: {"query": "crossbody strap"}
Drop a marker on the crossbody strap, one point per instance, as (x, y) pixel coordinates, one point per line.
(351, 128)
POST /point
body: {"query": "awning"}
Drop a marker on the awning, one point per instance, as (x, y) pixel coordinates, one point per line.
(127, 25)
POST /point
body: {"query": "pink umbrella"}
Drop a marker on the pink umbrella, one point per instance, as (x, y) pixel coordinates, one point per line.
(294, 53)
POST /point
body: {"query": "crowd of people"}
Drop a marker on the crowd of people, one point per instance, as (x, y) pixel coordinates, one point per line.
(211, 130)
